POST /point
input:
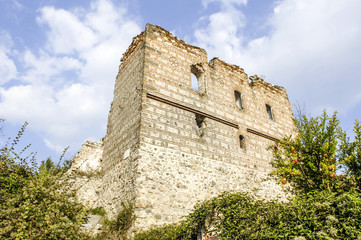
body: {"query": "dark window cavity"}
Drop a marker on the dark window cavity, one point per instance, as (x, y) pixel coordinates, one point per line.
(269, 112)
(242, 143)
(199, 121)
(238, 99)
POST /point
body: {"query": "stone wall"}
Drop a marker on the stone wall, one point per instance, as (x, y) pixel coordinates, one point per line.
(121, 142)
(181, 164)
(169, 146)
(171, 182)
(88, 159)
(168, 75)
(86, 172)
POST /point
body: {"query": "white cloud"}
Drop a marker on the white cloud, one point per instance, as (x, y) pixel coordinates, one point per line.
(313, 49)
(8, 69)
(68, 84)
(225, 3)
(56, 147)
(46, 67)
(67, 32)
(219, 33)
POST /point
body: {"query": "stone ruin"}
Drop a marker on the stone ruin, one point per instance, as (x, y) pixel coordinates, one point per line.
(181, 130)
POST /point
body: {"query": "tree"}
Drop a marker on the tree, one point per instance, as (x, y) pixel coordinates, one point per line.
(351, 155)
(309, 159)
(317, 156)
(49, 166)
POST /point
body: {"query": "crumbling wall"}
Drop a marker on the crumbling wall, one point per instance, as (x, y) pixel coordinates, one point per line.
(170, 145)
(85, 173)
(183, 162)
(121, 142)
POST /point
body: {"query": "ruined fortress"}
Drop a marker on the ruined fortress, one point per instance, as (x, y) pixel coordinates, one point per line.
(169, 144)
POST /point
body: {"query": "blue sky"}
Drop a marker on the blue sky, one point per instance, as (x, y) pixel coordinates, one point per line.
(59, 58)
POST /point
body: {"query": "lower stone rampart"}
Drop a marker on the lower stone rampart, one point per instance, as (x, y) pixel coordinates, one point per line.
(170, 183)
(164, 184)
(119, 185)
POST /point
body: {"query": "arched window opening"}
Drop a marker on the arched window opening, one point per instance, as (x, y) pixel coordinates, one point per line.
(197, 78)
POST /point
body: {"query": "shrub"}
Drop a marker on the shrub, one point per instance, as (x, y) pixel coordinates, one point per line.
(35, 203)
(315, 215)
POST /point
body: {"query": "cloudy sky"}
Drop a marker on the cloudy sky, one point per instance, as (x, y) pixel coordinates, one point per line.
(59, 58)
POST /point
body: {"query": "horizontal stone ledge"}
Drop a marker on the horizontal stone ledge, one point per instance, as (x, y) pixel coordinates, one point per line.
(262, 135)
(192, 110)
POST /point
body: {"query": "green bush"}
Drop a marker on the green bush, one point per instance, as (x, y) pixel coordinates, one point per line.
(178, 231)
(35, 203)
(315, 157)
(315, 215)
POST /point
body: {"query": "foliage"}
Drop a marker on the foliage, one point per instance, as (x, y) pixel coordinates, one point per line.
(351, 155)
(35, 203)
(167, 232)
(98, 211)
(315, 215)
(118, 228)
(49, 166)
(309, 161)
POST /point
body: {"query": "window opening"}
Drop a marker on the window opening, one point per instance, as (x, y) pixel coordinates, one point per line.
(199, 121)
(197, 78)
(269, 111)
(238, 99)
(195, 84)
(242, 143)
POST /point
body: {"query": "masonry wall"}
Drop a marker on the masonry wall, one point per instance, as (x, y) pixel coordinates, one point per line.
(180, 164)
(121, 142)
(157, 156)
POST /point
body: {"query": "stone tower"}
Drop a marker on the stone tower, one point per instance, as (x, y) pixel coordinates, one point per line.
(170, 145)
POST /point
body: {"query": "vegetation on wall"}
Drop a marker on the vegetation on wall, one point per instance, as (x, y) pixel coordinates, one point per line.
(118, 228)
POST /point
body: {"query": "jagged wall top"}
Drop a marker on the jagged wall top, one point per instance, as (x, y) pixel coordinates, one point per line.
(154, 31)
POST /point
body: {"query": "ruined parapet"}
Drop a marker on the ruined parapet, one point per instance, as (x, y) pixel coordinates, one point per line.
(85, 173)
(88, 159)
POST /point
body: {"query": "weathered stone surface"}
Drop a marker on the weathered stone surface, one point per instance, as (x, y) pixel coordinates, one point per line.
(169, 146)
(94, 225)
(85, 173)
(88, 159)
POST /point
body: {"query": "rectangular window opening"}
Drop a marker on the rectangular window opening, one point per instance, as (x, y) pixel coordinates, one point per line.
(199, 121)
(269, 111)
(238, 99)
(195, 83)
(242, 143)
